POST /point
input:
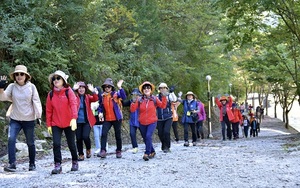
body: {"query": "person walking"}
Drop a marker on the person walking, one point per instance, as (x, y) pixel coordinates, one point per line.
(61, 115)
(236, 121)
(110, 111)
(26, 108)
(190, 108)
(97, 128)
(226, 115)
(202, 118)
(165, 117)
(147, 104)
(133, 120)
(245, 125)
(86, 119)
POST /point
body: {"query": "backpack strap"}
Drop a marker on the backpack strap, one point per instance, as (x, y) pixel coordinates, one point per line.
(66, 93)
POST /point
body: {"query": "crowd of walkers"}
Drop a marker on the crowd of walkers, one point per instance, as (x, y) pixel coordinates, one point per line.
(76, 111)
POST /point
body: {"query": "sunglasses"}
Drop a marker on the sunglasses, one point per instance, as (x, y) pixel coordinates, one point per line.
(146, 87)
(107, 86)
(19, 74)
(56, 78)
(162, 88)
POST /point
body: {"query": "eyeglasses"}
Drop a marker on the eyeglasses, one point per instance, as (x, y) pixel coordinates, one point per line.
(146, 87)
(19, 74)
(56, 78)
(107, 86)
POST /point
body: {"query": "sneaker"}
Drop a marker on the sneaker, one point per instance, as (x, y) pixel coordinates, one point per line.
(151, 156)
(119, 154)
(102, 154)
(135, 150)
(80, 157)
(10, 168)
(57, 169)
(146, 157)
(32, 167)
(88, 153)
(74, 166)
(186, 144)
(96, 152)
(167, 150)
(194, 143)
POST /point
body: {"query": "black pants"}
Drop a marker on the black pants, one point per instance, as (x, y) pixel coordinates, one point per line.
(199, 129)
(228, 127)
(70, 135)
(175, 130)
(186, 131)
(83, 135)
(105, 129)
(164, 129)
(235, 130)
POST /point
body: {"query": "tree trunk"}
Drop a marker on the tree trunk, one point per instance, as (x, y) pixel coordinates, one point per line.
(287, 119)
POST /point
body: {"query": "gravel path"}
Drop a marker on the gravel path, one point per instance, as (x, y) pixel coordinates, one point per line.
(270, 160)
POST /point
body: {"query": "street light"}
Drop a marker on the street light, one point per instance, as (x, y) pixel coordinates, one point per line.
(230, 88)
(208, 78)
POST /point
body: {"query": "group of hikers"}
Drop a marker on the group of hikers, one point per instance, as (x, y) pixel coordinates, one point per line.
(78, 109)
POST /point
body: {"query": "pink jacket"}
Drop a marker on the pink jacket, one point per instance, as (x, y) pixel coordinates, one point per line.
(201, 113)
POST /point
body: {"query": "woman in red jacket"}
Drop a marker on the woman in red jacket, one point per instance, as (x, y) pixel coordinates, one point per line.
(236, 121)
(86, 118)
(61, 115)
(226, 115)
(147, 115)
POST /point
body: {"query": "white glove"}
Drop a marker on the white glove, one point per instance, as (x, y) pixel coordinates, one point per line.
(180, 94)
(91, 87)
(76, 86)
(119, 84)
(172, 97)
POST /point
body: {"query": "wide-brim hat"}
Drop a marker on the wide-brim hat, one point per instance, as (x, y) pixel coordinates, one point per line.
(108, 82)
(147, 83)
(59, 73)
(190, 93)
(163, 85)
(82, 84)
(223, 98)
(20, 69)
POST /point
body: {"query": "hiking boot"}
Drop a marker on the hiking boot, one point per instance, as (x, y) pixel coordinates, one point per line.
(32, 167)
(135, 150)
(194, 143)
(146, 157)
(152, 154)
(186, 144)
(74, 166)
(10, 168)
(57, 169)
(88, 153)
(119, 154)
(167, 150)
(80, 157)
(96, 152)
(102, 154)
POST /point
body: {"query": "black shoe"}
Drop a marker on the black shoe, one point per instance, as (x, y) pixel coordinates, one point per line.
(57, 169)
(146, 157)
(74, 166)
(32, 167)
(186, 144)
(10, 168)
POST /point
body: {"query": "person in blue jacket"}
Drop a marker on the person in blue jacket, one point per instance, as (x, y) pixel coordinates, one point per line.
(134, 120)
(190, 107)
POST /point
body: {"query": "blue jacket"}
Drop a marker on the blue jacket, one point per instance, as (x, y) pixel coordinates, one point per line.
(188, 107)
(134, 116)
(164, 113)
(117, 108)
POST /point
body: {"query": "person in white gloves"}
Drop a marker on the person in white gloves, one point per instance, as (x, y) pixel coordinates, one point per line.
(61, 115)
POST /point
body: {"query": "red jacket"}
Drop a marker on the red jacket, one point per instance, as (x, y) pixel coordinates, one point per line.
(237, 116)
(61, 109)
(228, 108)
(88, 100)
(147, 109)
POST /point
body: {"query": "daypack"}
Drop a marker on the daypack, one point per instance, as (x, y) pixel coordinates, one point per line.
(66, 92)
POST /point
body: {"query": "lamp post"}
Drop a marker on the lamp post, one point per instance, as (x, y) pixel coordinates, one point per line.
(208, 78)
(230, 88)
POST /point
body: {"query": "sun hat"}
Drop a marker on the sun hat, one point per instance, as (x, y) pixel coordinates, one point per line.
(190, 93)
(147, 83)
(135, 91)
(223, 98)
(109, 82)
(20, 69)
(59, 73)
(82, 84)
(163, 85)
